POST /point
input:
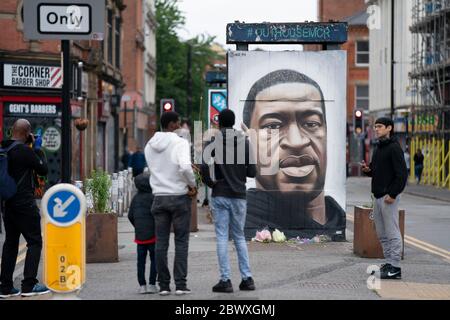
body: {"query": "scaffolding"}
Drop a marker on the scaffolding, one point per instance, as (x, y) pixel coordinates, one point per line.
(429, 122)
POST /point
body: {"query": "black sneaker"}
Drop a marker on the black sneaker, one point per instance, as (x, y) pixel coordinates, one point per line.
(181, 291)
(37, 290)
(223, 286)
(391, 272)
(247, 284)
(382, 267)
(9, 294)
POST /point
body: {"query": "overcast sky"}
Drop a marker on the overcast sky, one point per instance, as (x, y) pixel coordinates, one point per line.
(212, 16)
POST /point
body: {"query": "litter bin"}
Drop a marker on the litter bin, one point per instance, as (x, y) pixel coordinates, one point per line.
(365, 240)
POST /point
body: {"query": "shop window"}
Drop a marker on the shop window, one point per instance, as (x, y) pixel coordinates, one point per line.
(109, 25)
(117, 31)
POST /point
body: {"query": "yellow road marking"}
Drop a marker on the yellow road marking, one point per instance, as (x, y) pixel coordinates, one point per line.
(22, 256)
(426, 244)
(420, 244)
(446, 257)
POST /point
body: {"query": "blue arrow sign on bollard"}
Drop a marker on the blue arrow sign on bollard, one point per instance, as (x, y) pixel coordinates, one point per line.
(63, 208)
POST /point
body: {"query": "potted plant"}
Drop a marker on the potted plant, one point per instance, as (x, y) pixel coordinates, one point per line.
(101, 224)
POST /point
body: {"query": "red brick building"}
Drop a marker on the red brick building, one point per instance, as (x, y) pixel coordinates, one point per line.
(354, 13)
(96, 63)
(139, 70)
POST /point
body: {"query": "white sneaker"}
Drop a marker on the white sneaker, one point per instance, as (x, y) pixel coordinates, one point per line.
(152, 288)
(143, 289)
(164, 292)
(180, 292)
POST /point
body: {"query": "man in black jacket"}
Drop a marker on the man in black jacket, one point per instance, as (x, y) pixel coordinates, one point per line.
(232, 166)
(21, 214)
(389, 175)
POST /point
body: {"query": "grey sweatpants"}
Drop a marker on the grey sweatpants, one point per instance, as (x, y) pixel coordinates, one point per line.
(388, 230)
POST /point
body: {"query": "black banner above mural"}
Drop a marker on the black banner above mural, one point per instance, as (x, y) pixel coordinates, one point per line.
(288, 33)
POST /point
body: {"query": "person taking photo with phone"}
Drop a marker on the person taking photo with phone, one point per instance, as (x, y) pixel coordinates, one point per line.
(21, 214)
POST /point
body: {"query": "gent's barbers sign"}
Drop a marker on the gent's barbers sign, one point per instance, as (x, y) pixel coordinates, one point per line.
(32, 76)
(31, 109)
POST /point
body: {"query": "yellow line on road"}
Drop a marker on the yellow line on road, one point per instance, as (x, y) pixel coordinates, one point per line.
(446, 257)
(22, 256)
(420, 244)
(426, 244)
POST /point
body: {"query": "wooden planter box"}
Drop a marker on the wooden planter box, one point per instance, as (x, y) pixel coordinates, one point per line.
(101, 238)
(365, 239)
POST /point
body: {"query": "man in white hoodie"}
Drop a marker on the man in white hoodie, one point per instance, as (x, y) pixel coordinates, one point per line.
(173, 183)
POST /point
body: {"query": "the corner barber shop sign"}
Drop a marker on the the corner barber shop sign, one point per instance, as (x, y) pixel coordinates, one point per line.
(32, 76)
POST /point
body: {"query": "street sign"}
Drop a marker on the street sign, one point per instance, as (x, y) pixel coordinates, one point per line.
(64, 19)
(217, 101)
(287, 33)
(64, 209)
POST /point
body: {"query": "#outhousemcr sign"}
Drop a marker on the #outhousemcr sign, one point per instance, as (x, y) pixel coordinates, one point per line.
(289, 33)
(64, 20)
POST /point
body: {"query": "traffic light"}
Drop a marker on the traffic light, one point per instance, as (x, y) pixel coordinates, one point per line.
(358, 122)
(167, 105)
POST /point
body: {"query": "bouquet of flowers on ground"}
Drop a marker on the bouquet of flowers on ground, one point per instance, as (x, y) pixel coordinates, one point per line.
(263, 236)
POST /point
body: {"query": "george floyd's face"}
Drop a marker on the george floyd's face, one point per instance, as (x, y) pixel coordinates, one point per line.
(291, 128)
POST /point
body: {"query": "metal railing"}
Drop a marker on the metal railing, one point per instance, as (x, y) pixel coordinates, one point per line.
(436, 164)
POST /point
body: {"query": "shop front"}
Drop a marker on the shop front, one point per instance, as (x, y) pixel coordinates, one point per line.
(44, 115)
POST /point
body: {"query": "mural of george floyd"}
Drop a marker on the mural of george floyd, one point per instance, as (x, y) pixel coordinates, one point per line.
(292, 104)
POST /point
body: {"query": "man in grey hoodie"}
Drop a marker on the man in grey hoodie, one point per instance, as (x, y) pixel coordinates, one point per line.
(173, 183)
(232, 166)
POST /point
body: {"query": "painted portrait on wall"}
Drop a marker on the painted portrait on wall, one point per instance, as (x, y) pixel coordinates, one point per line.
(292, 105)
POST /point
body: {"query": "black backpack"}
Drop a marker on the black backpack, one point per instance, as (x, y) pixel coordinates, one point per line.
(8, 187)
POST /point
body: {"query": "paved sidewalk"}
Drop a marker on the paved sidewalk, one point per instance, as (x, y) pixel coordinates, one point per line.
(430, 192)
(281, 271)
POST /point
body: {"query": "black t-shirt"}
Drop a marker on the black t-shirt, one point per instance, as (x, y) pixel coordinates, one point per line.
(286, 212)
(418, 159)
(22, 161)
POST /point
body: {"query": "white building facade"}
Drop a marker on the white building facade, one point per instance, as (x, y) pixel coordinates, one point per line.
(380, 58)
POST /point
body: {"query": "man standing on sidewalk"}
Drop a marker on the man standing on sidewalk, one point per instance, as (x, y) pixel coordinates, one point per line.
(232, 166)
(388, 172)
(21, 214)
(173, 183)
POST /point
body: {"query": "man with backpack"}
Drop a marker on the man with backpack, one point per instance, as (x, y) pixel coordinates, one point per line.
(18, 164)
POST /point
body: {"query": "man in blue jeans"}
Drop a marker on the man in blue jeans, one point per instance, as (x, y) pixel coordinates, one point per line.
(232, 166)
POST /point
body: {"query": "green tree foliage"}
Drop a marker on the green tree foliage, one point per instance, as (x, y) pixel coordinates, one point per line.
(172, 55)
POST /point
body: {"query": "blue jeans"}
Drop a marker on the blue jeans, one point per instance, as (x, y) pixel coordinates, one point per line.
(229, 214)
(141, 261)
(418, 171)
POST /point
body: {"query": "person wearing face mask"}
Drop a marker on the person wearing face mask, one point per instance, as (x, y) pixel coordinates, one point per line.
(285, 110)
